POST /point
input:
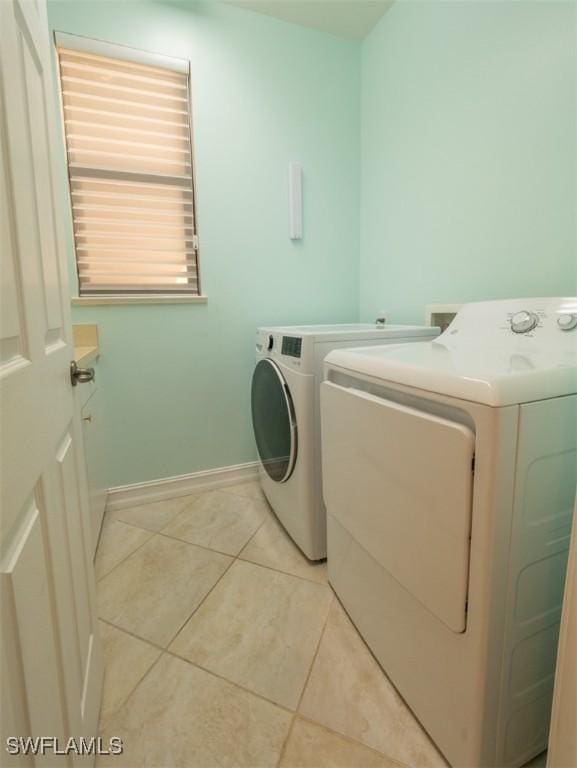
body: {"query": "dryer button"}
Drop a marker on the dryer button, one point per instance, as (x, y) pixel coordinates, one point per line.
(523, 321)
(567, 321)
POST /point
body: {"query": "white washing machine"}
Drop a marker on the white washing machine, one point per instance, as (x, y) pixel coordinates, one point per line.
(449, 473)
(285, 415)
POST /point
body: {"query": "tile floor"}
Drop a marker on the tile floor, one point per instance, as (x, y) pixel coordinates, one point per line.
(225, 647)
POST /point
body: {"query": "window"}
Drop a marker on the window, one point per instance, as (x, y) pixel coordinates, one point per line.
(127, 125)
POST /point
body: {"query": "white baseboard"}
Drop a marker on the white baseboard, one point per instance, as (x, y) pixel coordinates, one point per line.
(181, 485)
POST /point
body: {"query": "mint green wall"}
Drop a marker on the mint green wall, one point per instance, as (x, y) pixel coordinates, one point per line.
(176, 378)
(468, 154)
(465, 172)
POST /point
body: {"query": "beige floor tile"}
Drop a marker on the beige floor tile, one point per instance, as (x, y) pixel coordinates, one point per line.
(250, 490)
(156, 515)
(117, 541)
(155, 590)
(259, 628)
(126, 661)
(312, 746)
(272, 546)
(183, 717)
(219, 521)
(348, 692)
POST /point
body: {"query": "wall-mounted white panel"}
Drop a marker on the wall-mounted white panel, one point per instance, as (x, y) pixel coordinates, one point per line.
(295, 201)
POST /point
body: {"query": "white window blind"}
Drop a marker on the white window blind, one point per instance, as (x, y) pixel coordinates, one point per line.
(127, 129)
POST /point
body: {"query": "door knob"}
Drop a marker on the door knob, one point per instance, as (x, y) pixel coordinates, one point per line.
(81, 375)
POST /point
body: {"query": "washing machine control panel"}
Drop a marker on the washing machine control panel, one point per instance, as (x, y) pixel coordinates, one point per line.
(292, 350)
(291, 346)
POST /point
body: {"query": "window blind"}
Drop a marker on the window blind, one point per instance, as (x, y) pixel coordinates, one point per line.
(127, 130)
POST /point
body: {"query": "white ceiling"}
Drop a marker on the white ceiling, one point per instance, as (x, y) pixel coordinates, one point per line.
(345, 18)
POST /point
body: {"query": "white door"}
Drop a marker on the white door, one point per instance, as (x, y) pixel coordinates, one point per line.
(50, 652)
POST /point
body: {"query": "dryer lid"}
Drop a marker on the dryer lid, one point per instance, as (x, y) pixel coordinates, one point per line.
(481, 358)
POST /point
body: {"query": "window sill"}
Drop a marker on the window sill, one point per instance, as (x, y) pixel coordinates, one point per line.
(87, 301)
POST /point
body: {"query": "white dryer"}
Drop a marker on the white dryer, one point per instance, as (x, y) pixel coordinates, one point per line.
(449, 473)
(286, 421)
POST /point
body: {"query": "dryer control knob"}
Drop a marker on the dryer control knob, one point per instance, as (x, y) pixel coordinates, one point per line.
(523, 321)
(270, 344)
(567, 321)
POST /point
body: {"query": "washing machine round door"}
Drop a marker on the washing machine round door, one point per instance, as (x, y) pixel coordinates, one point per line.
(273, 420)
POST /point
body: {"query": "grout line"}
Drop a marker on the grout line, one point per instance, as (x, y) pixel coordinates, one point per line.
(246, 559)
(286, 739)
(124, 702)
(354, 741)
(382, 671)
(182, 626)
(317, 649)
(231, 682)
(196, 498)
(166, 536)
(192, 544)
(285, 573)
(129, 525)
(238, 557)
(217, 551)
(116, 515)
(294, 713)
(162, 531)
(112, 520)
(98, 580)
(326, 585)
(132, 634)
(150, 642)
(234, 558)
(172, 653)
(166, 650)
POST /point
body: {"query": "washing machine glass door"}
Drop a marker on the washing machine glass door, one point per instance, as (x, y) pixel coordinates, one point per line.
(273, 419)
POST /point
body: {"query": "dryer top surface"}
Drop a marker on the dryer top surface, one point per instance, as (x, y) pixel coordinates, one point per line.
(496, 352)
